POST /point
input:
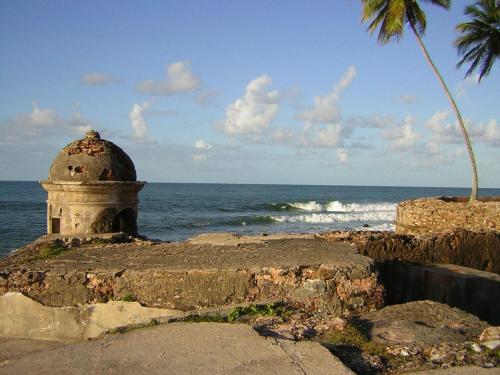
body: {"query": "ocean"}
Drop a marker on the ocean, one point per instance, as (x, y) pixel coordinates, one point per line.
(175, 212)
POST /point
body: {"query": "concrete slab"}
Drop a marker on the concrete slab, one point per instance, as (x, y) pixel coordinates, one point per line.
(11, 348)
(181, 348)
(230, 239)
(218, 270)
(24, 318)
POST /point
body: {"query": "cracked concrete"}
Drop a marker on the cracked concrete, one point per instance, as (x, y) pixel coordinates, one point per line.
(181, 348)
(22, 317)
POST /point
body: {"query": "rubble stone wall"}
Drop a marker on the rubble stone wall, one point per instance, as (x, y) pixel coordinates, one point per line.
(342, 291)
(432, 215)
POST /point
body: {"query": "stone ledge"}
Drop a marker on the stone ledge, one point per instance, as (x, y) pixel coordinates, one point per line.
(309, 273)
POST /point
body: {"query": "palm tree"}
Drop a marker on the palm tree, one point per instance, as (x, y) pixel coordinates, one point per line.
(479, 43)
(390, 17)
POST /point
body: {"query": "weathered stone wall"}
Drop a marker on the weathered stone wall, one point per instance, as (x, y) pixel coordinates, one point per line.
(473, 249)
(432, 215)
(326, 288)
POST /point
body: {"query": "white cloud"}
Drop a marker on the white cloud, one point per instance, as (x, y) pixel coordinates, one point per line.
(98, 79)
(322, 122)
(252, 113)
(179, 79)
(206, 97)
(281, 135)
(325, 109)
(199, 158)
(408, 99)
(41, 122)
(200, 144)
(342, 156)
(313, 135)
(139, 125)
(376, 120)
(402, 137)
(450, 133)
(79, 124)
(443, 132)
(491, 133)
(470, 81)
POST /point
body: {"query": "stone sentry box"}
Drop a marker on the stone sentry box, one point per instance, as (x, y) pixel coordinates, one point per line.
(92, 188)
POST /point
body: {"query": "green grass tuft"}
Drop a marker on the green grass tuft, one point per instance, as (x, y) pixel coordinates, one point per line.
(353, 336)
(51, 250)
(272, 309)
(129, 297)
(205, 318)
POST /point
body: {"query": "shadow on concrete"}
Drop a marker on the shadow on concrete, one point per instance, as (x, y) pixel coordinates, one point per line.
(474, 291)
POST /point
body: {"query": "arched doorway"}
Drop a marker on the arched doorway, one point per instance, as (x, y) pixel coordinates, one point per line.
(126, 221)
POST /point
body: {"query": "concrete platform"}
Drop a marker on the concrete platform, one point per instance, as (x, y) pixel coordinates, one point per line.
(177, 348)
(209, 271)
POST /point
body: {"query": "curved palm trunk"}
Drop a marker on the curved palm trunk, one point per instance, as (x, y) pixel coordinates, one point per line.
(473, 194)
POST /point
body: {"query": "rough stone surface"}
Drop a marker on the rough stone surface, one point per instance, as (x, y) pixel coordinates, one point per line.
(478, 250)
(425, 322)
(181, 348)
(490, 333)
(24, 318)
(92, 159)
(431, 215)
(312, 273)
(431, 267)
(420, 335)
(471, 290)
(465, 370)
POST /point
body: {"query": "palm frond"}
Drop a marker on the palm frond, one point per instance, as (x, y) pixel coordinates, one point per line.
(479, 42)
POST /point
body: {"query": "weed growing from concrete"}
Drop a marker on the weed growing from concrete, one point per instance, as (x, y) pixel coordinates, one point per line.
(205, 318)
(129, 297)
(100, 241)
(350, 343)
(152, 323)
(51, 249)
(133, 327)
(271, 309)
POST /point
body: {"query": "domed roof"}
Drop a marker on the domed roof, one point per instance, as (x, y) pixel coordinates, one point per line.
(92, 159)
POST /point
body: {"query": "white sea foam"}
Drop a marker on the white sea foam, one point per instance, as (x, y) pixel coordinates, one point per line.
(318, 218)
(308, 206)
(337, 206)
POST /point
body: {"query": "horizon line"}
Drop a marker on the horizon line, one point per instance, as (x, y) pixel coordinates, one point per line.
(292, 184)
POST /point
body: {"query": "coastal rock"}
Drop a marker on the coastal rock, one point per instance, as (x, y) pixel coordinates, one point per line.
(492, 344)
(490, 333)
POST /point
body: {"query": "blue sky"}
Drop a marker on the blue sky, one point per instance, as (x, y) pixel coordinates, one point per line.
(290, 92)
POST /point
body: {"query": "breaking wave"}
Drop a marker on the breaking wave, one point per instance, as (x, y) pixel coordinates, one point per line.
(322, 218)
(334, 206)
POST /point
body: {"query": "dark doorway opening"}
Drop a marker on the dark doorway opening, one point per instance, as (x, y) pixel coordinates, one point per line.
(56, 225)
(125, 221)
